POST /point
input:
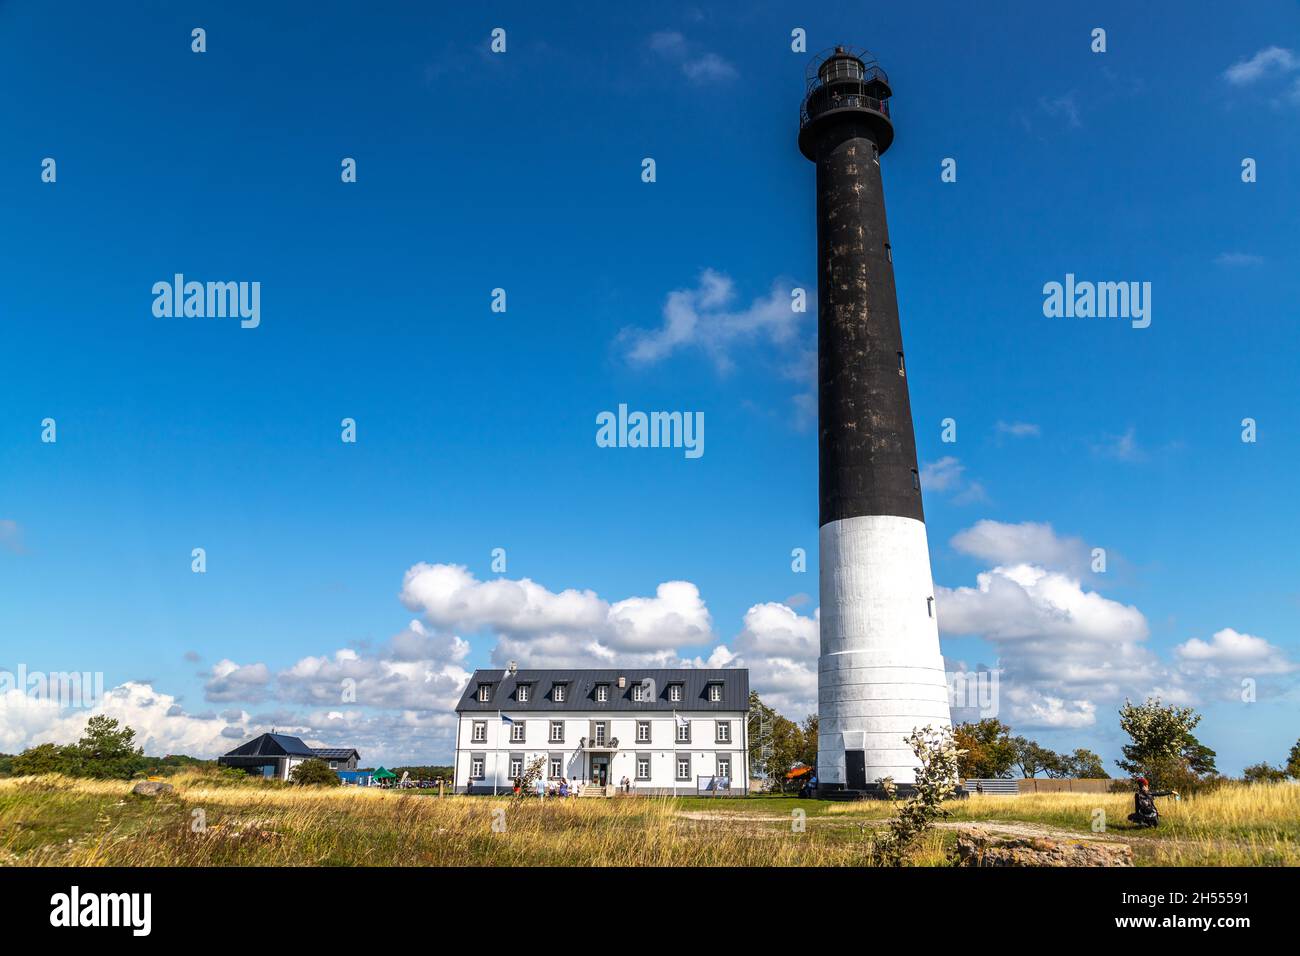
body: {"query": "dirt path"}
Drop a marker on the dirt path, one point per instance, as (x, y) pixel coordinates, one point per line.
(1001, 827)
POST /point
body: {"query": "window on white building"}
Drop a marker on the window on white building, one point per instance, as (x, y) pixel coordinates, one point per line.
(715, 692)
(476, 768)
(602, 692)
(516, 766)
(724, 767)
(557, 731)
(643, 731)
(684, 767)
(559, 692)
(517, 732)
(684, 732)
(557, 766)
(521, 693)
(675, 693)
(484, 692)
(598, 733)
(724, 732)
(479, 734)
(638, 693)
(643, 768)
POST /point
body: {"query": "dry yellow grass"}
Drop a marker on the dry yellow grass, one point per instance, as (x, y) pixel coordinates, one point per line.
(58, 821)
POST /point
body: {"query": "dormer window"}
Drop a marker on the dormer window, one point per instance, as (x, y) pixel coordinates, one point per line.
(639, 692)
(602, 693)
(522, 692)
(675, 693)
(715, 693)
(484, 693)
(559, 692)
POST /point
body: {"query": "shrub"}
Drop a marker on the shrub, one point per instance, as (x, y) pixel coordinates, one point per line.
(936, 781)
(314, 773)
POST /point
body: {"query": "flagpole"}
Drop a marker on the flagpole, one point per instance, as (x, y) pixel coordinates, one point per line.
(674, 767)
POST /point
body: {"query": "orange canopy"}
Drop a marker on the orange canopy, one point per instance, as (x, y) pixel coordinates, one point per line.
(798, 772)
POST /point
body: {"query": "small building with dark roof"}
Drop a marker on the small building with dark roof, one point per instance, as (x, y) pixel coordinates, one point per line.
(275, 755)
(338, 758)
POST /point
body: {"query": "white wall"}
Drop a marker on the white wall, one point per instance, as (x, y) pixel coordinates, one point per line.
(880, 674)
(703, 747)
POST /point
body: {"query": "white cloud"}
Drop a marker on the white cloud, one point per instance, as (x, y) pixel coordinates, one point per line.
(780, 647)
(1269, 60)
(1123, 447)
(1229, 656)
(230, 681)
(161, 726)
(1060, 647)
(705, 318)
(948, 475)
(697, 65)
(1065, 106)
(942, 475)
(539, 628)
(1029, 542)
(1238, 259)
(1019, 429)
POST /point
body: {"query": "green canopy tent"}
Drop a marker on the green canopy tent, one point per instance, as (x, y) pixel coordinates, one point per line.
(383, 773)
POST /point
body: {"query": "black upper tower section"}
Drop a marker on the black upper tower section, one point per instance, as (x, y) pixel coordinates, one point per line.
(866, 445)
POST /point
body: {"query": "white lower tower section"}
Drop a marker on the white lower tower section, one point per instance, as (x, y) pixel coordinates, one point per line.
(880, 674)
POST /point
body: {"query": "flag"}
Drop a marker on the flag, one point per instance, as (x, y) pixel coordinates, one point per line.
(681, 721)
(506, 718)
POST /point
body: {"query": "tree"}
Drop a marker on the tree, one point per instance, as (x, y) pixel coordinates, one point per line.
(426, 772)
(1031, 758)
(1084, 764)
(1263, 773)
(1293, 762)
(788, 742)
(532, 774)
(987, 749)
(808, 734)
(105, 751)
(1164, 750)
(43, 758)
(314, 773)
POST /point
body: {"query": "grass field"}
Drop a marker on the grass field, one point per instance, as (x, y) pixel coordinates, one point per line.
(54, 820)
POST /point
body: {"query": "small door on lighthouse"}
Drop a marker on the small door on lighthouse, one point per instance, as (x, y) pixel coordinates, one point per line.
(855, 769)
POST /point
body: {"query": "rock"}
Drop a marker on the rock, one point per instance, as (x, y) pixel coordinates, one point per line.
(152, 788)
(982, 848)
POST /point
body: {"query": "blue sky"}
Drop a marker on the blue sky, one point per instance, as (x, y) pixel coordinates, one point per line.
(522, 170)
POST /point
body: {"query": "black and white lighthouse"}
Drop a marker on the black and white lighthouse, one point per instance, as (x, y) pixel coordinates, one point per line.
(880, 674)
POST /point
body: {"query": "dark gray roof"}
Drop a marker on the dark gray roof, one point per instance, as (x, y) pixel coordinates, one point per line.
(273, 745)
(581, 686)
(334, 753)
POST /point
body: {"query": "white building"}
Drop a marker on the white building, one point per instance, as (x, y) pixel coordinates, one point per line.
(666, 731)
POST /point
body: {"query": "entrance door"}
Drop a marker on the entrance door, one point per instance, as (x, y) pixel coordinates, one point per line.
(600, 770)
(855, 769)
